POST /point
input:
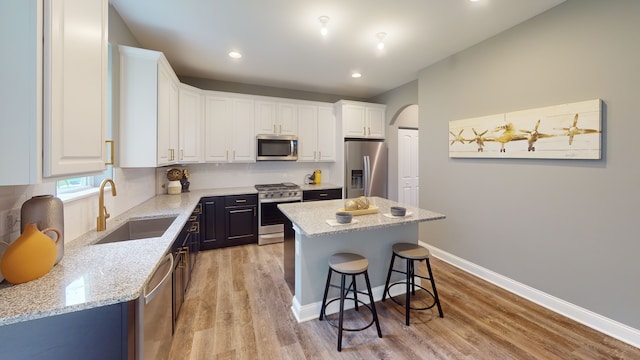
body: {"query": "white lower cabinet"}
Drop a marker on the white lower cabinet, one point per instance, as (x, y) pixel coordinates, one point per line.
(316, 133)
(149, 109)
(229, 128)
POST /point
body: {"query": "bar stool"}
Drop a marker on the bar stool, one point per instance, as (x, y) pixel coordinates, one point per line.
(347, 264)
(410, 253)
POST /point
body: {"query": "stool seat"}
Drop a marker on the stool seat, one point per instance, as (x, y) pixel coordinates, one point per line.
(410, 251)
(348, 263)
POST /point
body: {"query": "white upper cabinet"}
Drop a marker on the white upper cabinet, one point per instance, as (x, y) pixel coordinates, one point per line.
(149, 109)
(191, 124)
(229, 128)
(361, 120)
(75, 86)
(21, 91)
(316, 133)
(326, 133)
(54, 88)
(273, 117)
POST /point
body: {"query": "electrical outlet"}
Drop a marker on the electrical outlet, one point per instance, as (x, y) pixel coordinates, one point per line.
(12, 221)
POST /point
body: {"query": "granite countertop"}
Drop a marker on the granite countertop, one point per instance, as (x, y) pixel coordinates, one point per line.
(90, 276)
(310, 218)
(321, 186)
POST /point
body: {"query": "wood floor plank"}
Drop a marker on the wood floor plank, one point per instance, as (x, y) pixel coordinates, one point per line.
(238, 306)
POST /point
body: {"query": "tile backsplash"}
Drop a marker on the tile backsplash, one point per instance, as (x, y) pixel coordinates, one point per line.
(11, 200)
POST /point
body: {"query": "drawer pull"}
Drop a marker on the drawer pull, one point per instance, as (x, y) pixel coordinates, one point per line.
(241, 201)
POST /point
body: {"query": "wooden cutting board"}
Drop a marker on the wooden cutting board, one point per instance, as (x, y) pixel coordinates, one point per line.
(371, 210)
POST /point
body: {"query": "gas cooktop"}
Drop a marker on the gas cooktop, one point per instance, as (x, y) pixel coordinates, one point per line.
(279, 186)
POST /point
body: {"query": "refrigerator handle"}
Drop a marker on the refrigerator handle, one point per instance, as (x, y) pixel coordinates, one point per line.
(367, 176)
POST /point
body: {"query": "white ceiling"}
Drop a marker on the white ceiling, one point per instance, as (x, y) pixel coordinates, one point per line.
(282, 47)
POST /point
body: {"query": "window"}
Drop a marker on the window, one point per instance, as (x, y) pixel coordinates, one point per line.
(69, 189)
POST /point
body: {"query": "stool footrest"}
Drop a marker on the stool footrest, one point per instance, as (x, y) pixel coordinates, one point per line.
(411, 307)
(349, 329)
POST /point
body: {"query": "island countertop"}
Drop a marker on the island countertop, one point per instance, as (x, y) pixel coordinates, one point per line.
(310, 218)
(311, 241)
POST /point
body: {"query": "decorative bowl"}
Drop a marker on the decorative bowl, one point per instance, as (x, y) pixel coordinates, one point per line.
(343, 217)
(174, 174)
(398, 211)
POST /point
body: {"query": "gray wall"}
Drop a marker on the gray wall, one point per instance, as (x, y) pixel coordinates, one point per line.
(565, 227)
(396, 100)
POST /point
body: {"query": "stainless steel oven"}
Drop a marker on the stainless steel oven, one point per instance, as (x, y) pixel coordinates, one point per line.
(270, 218)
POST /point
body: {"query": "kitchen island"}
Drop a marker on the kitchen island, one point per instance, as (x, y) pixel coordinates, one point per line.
(312, 241)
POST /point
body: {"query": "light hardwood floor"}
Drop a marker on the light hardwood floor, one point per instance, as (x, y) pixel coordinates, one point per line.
(238, 307)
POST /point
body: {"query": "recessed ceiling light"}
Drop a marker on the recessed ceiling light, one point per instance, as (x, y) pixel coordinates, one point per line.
(235, 55)
(356, 75)
(323, 28)
(380, 36)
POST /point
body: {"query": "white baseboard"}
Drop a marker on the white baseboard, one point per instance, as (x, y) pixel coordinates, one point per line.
(586, 317)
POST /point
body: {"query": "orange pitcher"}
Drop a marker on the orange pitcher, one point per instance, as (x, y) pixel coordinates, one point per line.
(31, 256)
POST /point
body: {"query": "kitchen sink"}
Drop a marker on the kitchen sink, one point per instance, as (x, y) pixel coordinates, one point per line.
(139, 229)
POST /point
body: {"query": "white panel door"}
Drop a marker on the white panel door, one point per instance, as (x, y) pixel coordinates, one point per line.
(375, 122)
(75, 97)
(244, 141)
(265, 117)
(191, 120)
(326, 134)
(353, 121)
(307, 133)
(163, 150)
(287, 119)
(408, 178)
(217, 127)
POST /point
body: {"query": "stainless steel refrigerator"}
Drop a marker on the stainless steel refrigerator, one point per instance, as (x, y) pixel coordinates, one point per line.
(365, 168)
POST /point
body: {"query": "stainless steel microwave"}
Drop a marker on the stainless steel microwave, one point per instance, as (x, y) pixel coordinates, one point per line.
(276, 147)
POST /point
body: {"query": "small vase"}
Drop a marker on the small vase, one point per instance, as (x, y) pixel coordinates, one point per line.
(31, 256)
(174, 187)
(46, 211)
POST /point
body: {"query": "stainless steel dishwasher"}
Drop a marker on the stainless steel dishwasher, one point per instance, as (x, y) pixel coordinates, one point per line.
(154, 318)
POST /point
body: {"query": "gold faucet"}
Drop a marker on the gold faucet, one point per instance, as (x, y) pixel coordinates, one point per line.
(103, 215)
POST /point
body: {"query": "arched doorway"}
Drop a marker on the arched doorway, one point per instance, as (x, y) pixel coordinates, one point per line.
(408, 156)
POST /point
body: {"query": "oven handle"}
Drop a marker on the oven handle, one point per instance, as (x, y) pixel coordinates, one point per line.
(266, 201)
